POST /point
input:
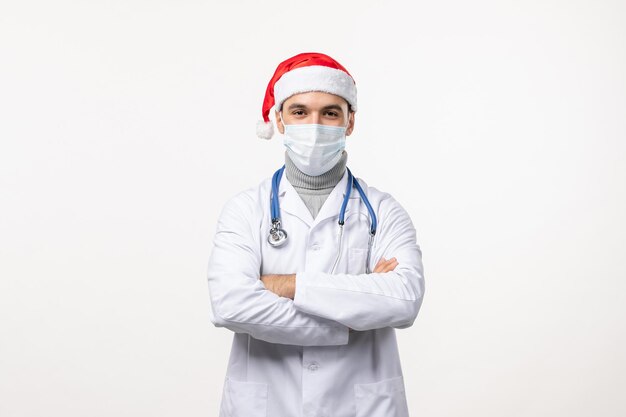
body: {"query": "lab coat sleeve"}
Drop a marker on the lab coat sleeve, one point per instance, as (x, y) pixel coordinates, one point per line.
(375, 300)
(240, 301)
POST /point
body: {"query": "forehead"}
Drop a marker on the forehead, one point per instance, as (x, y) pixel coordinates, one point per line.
(315, 99)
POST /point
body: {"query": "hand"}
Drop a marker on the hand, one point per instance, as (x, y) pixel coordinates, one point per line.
(385, 265)
(283, 285)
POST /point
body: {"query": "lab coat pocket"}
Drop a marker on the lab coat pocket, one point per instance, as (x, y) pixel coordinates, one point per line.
(356, 261)
(383, 398)
(244, 399)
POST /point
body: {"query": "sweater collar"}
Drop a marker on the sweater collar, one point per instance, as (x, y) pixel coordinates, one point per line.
(326, 180)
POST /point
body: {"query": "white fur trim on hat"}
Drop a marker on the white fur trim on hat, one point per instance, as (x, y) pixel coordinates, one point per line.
(264, 130)
(315, 78)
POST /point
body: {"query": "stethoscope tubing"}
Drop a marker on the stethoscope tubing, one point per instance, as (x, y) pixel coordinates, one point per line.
(278, 236)
(352, 182)
(275, 207)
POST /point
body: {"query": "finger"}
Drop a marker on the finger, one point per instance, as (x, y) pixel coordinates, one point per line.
(390, 266)
(382, 268)
(384, 264)
(379, 268)
(388, 262)
(380, 264)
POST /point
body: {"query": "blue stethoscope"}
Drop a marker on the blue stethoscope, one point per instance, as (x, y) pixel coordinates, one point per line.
(278, 236)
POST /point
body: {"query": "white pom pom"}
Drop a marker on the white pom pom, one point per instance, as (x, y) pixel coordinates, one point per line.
(264, 130)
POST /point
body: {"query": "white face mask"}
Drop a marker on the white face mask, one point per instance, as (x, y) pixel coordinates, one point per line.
(314, 148)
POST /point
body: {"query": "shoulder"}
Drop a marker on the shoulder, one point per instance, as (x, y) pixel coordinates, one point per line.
(391, 215)
(379, 199)
(248, 201)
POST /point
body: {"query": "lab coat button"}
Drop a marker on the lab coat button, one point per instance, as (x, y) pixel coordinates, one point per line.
(314, 366)
(315, 246)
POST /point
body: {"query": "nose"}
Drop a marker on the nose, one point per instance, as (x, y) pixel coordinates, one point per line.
(316, 118)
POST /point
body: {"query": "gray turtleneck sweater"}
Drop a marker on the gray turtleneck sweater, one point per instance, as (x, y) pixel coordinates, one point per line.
(315, 190)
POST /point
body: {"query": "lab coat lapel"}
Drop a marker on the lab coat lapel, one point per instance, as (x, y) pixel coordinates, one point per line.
(291, 202)
(333, 202)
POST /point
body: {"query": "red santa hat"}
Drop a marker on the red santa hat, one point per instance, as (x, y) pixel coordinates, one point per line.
(309, 71)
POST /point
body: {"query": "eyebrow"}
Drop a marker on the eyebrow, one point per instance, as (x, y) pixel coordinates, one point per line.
(302, 106)
(333, 107)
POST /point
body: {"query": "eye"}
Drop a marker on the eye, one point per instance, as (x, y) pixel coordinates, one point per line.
(298, 112)
(331, 113)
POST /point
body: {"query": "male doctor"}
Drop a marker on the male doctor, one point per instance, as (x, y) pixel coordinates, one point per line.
(313, 269)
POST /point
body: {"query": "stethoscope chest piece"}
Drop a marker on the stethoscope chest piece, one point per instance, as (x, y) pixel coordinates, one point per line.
(277, 236)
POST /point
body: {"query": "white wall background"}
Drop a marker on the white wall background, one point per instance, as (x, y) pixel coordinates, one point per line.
(125, 125)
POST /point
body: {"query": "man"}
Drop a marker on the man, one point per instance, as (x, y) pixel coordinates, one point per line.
(290, 269)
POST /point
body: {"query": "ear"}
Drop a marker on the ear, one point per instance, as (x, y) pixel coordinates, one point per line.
(350, 126)
(279, 122)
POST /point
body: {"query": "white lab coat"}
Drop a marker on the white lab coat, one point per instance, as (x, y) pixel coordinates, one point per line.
(292, 358)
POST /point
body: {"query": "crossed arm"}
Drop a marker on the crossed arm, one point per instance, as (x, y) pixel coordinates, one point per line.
(316, 308)
(284, 285)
